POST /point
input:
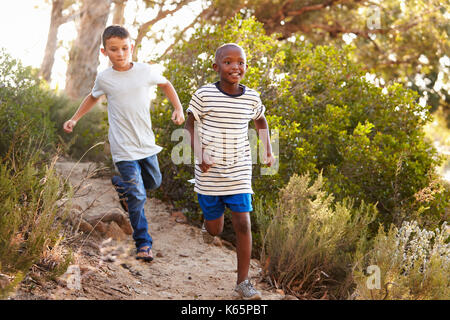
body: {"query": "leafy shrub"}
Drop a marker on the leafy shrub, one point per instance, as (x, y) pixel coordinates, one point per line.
(309, 243)
(89, 131)
(24, 110)
(30, 220)
(414, 264)
(367, 141)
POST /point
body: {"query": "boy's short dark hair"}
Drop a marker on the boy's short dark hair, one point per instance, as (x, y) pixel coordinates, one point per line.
(114, 31)
(220, 49)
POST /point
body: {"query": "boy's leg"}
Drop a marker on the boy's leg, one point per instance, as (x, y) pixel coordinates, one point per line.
(120, 188)
(242, 228)
(134, 190)
(241, 205)
(151, 175)
(213, 209)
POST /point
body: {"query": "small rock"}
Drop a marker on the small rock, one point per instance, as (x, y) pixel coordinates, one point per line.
(289, 297)
(115, 232)
(184, 255)
(279, 291)
(159, 255)
(85, 227)
(217, 242)
(179, 217)
(101, 227)
(109, 258)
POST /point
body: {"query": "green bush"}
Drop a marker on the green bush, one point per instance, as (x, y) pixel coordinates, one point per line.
(24, 111)
(30, 219)
(309, 243)
(368, 141)
(30, 190)
(414, 264)
(89, 131)
(31, 116)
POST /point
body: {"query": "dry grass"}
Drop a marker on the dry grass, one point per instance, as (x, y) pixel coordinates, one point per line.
(308, 242)
(30, 221)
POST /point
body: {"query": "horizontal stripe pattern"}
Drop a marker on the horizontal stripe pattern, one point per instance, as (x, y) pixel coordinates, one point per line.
(223, 129)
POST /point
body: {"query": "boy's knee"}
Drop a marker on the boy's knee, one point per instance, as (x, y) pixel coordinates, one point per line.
(215, 228)
(154, 183)
(136, 197)
(241, 223)
(158, 181)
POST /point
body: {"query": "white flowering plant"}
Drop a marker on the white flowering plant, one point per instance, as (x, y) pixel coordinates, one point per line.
(414, 264)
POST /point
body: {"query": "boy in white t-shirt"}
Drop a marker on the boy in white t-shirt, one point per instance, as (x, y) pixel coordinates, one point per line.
(126, 85)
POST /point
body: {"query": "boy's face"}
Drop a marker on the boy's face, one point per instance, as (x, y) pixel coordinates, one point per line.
(118, 51)
(231, 64)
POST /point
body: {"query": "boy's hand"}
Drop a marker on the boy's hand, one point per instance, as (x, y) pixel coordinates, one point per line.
(178, 116)
(207, 161)
(69, 125)
(269, 159)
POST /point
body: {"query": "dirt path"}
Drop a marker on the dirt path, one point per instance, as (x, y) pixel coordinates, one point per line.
(104, 265)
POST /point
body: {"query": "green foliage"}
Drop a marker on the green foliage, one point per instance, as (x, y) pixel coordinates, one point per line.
(30, 219)
(24, 110)
(368, 141)
(309, 242)
(399, 41)
(414, 264)
(30, 190)
(89, 131)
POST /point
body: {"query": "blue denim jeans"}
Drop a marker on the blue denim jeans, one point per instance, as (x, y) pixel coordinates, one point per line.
(137, 176)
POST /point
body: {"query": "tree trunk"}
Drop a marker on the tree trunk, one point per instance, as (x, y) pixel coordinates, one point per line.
(52, 39)
(84, 55)
(119, 10)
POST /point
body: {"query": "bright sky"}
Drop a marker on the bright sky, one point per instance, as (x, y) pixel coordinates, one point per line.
(25, 26)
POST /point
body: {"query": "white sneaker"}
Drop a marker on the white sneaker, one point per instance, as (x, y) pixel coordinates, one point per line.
(247, 291)
(207, 237)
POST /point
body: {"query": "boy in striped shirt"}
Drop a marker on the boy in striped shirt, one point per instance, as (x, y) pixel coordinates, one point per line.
(217, 121)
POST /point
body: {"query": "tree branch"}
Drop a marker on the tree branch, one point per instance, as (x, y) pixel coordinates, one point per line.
(72, 15)
(206, 13)
(143, 29)
(311, 8)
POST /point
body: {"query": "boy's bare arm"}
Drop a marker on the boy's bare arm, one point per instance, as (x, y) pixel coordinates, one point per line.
(84, 108)
(206, 161)
(263, 131)
(171, 94)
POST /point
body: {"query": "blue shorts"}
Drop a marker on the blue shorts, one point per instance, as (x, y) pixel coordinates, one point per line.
(213, 207)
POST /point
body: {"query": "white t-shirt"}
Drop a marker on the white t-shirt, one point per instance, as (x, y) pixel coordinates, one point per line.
(128, 93)
(222, 124)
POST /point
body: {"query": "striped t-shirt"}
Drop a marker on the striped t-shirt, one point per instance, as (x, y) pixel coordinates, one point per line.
(222, 124)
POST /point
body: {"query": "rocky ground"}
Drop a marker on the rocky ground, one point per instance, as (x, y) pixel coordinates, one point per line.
(104, 264)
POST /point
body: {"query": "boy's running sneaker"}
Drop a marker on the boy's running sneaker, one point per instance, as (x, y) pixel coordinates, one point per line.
(247, 291)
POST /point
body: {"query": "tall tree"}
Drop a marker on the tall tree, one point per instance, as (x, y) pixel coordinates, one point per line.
(119, 10)
(57, 19)
(84, 54)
